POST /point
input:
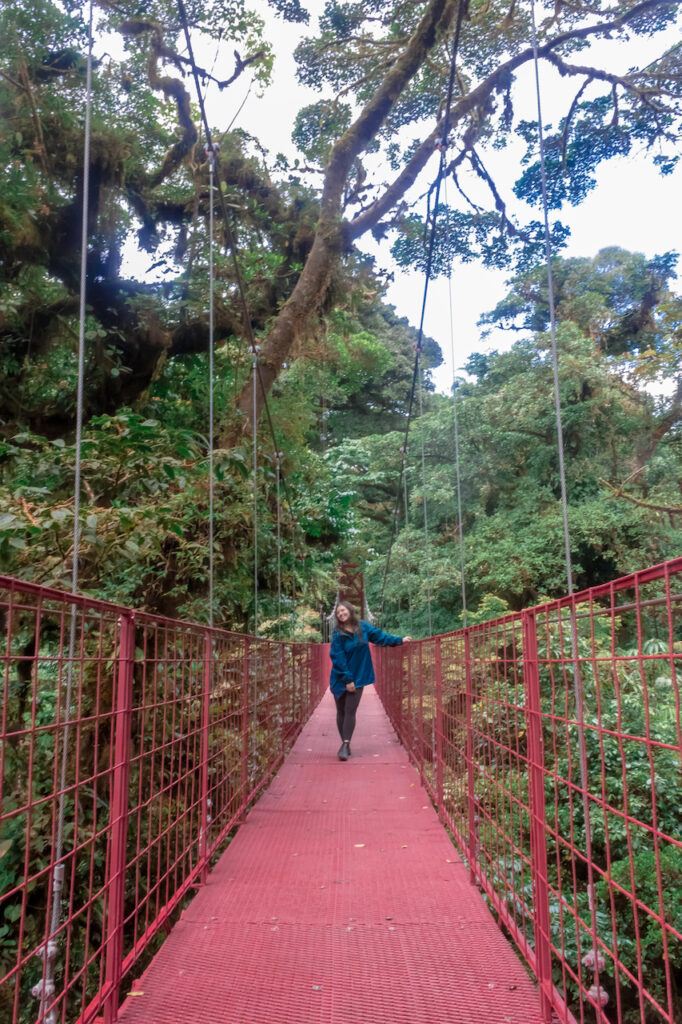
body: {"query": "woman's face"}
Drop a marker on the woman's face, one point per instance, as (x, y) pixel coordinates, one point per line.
(342, 613)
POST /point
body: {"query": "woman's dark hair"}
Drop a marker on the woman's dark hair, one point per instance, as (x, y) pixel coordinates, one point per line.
(353, 622)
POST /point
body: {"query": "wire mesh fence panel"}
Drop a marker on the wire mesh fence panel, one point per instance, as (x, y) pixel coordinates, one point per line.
(501, 843)
(427, 714)
(454, 750)
(557, 763)
(609, 668)
(58, 669)
(129, 747)
(228, 731)
(164, 784)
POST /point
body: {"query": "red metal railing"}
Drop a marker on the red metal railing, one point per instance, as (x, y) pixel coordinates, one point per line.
(551, 743)
(130, 745)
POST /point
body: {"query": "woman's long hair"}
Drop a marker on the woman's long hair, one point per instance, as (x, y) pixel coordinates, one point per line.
(353, 622)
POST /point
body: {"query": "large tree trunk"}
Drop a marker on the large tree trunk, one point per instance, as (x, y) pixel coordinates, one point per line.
(330, 234)
(303, 304)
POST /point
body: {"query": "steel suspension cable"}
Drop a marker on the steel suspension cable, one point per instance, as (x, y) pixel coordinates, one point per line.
(408, 545)
(455, 425)
(255, 650)
(427, 539)
(231, 245)
(442, 147)
(45, 989)
(211, 382)
(578, 690)
(278, 472)
(460, 524)
(254, 434)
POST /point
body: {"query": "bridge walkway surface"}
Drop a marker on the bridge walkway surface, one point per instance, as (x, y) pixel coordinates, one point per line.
(341, 899)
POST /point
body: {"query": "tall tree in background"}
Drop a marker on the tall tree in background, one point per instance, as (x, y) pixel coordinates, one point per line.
(620, 336)
(386, 67)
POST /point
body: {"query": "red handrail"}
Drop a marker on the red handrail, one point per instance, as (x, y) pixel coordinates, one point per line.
(497, 737)
(172, 730)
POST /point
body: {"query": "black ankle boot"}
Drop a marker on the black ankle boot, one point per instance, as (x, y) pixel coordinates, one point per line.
(344, 751)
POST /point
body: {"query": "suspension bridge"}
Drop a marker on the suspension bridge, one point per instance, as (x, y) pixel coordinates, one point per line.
(179, 843)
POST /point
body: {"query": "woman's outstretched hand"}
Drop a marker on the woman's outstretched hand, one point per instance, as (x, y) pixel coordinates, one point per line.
(406, 639)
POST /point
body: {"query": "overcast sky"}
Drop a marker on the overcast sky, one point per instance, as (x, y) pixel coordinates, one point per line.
(633, 206)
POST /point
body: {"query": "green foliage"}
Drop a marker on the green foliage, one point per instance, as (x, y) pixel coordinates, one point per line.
(482, 236)
(618, 299)
(317, 127)
(622, 455)
(358, 47)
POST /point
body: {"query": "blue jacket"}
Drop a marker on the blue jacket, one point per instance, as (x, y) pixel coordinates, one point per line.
(351, 658)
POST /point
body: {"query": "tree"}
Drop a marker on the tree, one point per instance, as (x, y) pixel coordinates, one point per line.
(384, 68)
(624, 304)
(387, 66)
(149, 183)
(623, 489)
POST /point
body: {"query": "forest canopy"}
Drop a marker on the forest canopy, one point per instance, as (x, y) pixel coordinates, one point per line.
(335, 358)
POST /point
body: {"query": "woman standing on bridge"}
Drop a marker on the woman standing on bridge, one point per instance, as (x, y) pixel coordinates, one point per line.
(352, 667)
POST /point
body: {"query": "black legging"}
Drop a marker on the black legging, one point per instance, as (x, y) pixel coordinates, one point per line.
(346, 707)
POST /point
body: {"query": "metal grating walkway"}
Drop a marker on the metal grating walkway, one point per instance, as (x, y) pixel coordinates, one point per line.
(341, 900)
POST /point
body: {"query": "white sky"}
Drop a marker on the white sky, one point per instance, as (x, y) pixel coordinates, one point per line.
(633, 206)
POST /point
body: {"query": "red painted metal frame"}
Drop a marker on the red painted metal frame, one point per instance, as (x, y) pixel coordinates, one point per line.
(172, 730)
(504, 771)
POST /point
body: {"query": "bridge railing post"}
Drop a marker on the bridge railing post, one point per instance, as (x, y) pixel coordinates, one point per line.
(245, 723)
(420, 713)
(538, 834)
(409, 718)
(204, 749)
(309, 679)
(118, 816)
(469, 758)
(438, 726)
(282, 700)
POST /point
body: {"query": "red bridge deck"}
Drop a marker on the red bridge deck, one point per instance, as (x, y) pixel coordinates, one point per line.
(341, 899)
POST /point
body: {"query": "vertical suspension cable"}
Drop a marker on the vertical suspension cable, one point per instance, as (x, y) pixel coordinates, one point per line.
(455, 424)
(231, 247)
(293, 617)
(254, 661)
(442, 147)
(406, 507)
(427, 539)
(578, 691)
(45, 989)
(552, 315)
(254, 426)
(460, 525)
(408, 545)
(210, 150)
(278, 460)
